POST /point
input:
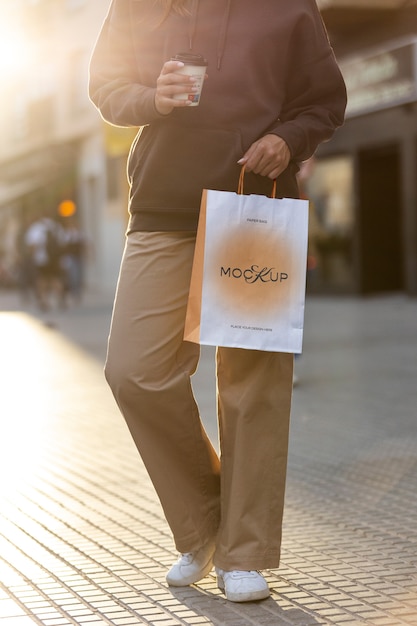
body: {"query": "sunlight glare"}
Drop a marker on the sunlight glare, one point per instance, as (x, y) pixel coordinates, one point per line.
(25, 402)
(15, 54)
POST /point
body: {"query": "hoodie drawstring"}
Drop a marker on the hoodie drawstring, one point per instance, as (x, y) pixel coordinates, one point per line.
(221, 43)
(223, 34)
(193, 23)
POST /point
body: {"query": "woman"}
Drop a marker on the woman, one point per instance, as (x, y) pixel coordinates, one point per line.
(272, 94)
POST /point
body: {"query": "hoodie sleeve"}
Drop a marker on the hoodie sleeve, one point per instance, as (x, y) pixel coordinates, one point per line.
(316, 99)
(114, 85)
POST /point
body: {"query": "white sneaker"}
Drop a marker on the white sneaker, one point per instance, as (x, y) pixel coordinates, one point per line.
(242, 586)
(191, 567)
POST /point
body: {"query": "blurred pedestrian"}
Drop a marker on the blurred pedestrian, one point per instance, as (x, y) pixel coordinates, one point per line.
(24, 266)
(315, 233)
(43, 240)
(273, 93)
(74, 250)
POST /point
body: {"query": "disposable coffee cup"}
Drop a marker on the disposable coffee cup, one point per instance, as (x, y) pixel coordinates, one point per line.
(195, 65)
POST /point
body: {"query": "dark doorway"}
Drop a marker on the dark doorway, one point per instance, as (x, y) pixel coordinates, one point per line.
(379, 221)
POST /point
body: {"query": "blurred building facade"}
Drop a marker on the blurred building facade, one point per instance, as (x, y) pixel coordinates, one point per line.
(53, 144)
(363, 184)
(365, 179)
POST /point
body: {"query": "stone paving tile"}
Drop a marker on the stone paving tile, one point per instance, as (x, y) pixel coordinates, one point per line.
(82, 536)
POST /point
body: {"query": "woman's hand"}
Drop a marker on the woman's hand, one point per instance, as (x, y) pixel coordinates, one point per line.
(268, 156)
(170, 83)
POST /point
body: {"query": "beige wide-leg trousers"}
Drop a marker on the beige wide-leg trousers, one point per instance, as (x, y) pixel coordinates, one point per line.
(238, 499)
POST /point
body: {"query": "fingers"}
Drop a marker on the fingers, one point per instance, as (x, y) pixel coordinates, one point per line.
(170, 83)
(269, 156)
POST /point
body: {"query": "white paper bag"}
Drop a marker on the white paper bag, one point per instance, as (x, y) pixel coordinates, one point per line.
(249, 273)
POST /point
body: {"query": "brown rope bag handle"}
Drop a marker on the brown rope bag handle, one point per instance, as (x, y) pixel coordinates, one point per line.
(241, 180)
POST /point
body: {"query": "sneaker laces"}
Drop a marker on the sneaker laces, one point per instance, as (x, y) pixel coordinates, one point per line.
(186, 558)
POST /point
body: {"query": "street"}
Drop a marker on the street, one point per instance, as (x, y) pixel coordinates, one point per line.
(82, 536)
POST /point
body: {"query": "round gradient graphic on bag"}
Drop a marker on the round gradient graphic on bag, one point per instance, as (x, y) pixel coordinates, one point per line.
(252, 271)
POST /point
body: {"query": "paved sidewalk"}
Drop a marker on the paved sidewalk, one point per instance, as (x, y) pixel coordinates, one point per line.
(83, 540)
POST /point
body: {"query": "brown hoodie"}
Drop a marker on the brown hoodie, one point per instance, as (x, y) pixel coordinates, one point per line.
(270, 70)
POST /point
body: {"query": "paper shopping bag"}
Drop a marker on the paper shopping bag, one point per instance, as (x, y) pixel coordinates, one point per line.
(249, 273)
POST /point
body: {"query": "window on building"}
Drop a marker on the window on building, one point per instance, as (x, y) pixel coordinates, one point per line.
(40, 117)
(114, 177)
(78, 79)
(328, 184)
(74, 4)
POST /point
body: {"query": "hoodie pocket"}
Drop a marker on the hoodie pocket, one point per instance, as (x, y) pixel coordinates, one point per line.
(169, 166)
